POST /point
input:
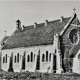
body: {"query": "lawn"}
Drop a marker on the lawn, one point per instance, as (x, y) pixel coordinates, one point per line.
(38, 76)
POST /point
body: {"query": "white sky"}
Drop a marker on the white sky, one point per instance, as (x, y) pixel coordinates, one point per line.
(33, 11)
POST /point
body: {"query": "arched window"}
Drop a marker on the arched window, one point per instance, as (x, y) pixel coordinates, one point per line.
(23, 61)
(79, 56)
(18, 57)
(34, 57)
(28, 58)
(50, 57)
(54, 61)
(55, 51)
(31, 56)
(46, 56)
(15, 59)
(6, 58)
(3, 59)
(43, 57)
(74, 36)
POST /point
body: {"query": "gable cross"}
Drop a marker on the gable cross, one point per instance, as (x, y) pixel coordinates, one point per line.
(74, 10)
(5, 33)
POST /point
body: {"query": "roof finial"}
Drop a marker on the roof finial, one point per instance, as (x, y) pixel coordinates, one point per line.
(5, 33)
(74, 9)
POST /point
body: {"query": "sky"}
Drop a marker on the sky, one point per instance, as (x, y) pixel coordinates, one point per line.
(29, 12)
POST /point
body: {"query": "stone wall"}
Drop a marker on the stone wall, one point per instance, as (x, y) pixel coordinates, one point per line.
(76, 63)
(66, 45)
(30, 66)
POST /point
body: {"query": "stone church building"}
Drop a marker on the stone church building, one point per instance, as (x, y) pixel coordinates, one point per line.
(52, 46)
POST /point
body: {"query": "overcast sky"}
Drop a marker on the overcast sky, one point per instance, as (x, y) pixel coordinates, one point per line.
(33, 11)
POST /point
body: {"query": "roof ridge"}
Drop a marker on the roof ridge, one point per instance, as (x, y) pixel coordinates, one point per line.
(44, 22)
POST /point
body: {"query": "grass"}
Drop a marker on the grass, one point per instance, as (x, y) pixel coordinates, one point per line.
(38, 76)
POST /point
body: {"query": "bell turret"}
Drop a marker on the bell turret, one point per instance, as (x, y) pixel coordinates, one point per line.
(18, 24)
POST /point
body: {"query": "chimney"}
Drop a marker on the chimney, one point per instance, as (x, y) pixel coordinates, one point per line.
(18, 24)
(46, 22)
(62, 18)
(35, 24)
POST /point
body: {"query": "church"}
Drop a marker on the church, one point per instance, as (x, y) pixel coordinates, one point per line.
(51, 46)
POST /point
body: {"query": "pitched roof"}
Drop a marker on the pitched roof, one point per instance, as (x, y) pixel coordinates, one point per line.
(40, 35)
